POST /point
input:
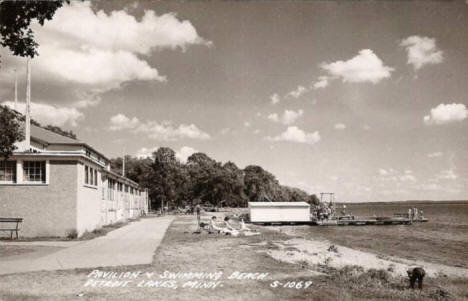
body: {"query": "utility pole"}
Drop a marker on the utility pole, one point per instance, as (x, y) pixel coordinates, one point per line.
(123, 163)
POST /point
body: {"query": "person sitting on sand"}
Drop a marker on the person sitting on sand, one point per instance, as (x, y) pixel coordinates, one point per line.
(229, 228)
(213, 228)
(243, 227)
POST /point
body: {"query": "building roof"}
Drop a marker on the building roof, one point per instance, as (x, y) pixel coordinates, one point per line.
(278, 204)
(46, 136)
(50, 137)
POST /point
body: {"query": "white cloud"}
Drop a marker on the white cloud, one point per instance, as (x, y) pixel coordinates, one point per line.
(448, 174)
(288, 116)
(339, 126)
(275, 98)
(422, 51)
(165, 130)
(181, 154)
(120, 30)
(294, 134)
(298, 92)
(84, 50)
(184, 152)
(48, 114)
(96, 68)
(383, 172)
(446, 113)
(435, 155)
(391, 174)
(247, 124)
(145, 152)
(322, 82)
(121, 122)
(364, 67)
(274, 117)
(407, 177)
(87, 100)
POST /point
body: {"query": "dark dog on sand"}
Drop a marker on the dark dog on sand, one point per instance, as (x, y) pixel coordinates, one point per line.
(416, 274)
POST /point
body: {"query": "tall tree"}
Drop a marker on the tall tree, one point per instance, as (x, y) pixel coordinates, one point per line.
(10, 132)
(165, 178)
(15, 23)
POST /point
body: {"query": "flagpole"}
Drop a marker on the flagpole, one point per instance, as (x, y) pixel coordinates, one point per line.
(28, 106)
(16, 91)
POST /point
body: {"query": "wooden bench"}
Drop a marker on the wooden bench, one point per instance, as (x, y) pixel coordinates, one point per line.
(9, 225)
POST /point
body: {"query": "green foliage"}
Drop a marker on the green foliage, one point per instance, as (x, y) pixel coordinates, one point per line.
(60, 131)
(15, 22)
(204, 180)
(10, 132)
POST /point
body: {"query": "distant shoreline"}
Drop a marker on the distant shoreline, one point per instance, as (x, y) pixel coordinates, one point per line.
(453, 202)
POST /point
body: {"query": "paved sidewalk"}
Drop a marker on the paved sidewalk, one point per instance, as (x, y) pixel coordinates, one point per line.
(129, 245)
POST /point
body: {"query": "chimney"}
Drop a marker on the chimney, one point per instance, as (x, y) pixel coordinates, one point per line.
(27, 127)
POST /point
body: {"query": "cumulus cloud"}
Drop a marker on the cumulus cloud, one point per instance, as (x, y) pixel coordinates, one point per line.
(121, 122)
(298, 92)
(364, 67)
(120, 30)
(446, 113)
(165, 130)
(322, 82)
(48, 114)
(275, 98)
(422, 51)
(339, 126)
(184, 152)
(288, 116)
(295, 134)
(435, 155)
(96, 68)
(83, 49)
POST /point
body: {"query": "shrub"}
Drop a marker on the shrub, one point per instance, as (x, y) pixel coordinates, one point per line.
(72, 234)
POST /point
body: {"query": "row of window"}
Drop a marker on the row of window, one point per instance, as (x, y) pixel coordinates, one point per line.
(91, 176)
(33, 171)
(115, 185)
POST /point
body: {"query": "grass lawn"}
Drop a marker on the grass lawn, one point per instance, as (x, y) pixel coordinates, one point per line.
(182, 251)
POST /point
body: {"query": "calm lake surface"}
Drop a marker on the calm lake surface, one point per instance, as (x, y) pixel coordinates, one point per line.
(444, 239)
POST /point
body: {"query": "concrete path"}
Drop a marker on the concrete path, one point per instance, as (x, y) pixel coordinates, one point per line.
(129, 245)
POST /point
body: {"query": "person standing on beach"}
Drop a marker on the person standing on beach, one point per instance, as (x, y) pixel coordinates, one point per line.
(198, 210)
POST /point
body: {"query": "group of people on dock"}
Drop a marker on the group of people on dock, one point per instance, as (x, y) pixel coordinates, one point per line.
(414, 213)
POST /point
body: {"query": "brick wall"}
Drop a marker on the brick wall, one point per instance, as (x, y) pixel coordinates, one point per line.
(48, 210)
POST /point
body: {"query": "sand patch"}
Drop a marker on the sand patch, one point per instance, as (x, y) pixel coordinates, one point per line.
(317, 253)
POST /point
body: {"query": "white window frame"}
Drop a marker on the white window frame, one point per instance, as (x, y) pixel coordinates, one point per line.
(95, 172)
(16, 169)
(20, 175)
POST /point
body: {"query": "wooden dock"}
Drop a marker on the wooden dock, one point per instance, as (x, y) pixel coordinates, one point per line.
(349, 221)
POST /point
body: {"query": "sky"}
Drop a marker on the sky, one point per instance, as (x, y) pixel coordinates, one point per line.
(365, 99)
